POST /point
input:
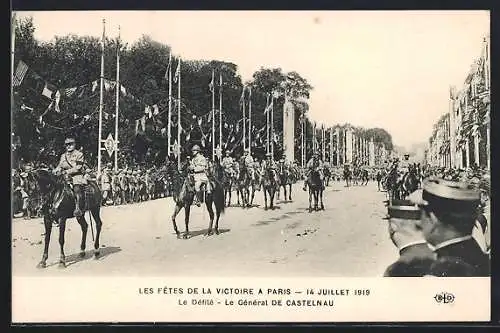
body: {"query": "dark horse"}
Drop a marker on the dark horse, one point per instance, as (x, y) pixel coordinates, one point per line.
(315, 190)
(227, 182)
(347, 176)
(183, 195)
(54, 189)
(328, 175)
(285, 179)
(243, 183)
(410, 182)
(270, 186)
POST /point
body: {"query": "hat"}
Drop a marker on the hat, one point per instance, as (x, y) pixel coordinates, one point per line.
(403, 209)
(442, 193)
(69, 140)
(195, 148)
(227, 152)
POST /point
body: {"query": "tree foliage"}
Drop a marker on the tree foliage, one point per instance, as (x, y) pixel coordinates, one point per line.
(70, 61)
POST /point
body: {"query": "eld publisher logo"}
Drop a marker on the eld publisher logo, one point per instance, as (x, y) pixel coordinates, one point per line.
(445, 298)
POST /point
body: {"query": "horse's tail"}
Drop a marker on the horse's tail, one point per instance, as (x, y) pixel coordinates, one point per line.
(219, 197)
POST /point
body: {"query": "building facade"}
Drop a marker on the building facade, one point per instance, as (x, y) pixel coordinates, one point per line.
(461, 137)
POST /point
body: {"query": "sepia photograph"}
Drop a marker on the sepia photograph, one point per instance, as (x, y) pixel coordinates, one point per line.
(249, 145)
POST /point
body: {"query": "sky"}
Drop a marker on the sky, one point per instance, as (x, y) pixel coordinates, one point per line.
(388, 69)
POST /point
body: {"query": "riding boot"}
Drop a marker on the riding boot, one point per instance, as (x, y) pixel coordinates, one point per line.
(200, 198)
(78, 200)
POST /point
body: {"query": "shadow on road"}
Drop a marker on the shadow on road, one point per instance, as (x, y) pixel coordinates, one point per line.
(202, 232)
(89, 254)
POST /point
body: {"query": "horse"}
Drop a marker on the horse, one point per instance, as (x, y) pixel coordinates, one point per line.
(183, 195)
(270, 185)
(227, 183)
(379, 177)
(327, 173)
(392, 184)
(285, 179)
(314, 184)
(363, 174)
(54, 189)
(347, 176)
(243, 183)
(410, 182)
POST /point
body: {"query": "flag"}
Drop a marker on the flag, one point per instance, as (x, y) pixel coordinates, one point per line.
(21, 70)
(168, 65)
(242, 97)
(156, 110)
(211, 84)
(69, 91)
(48, 90)
(177, 71)
(58, 98)
(220, 83)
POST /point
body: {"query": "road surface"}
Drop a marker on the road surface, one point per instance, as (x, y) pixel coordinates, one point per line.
(348, 239)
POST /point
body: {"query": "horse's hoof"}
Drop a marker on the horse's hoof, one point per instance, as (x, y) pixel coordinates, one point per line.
(97, 254)
(185, 236)
(265, 208)
(310, 210)
(61, 265)
(82, 254)
(209, 233)
(216, 231)
(41, 264)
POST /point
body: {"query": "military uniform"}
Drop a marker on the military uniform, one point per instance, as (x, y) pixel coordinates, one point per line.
(269, 164)
(313, 164)
(199, 167)
(227, 164)
(458, 202)
(72, 165)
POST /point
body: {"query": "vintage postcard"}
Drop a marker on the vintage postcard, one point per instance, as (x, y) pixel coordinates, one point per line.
(250, 166)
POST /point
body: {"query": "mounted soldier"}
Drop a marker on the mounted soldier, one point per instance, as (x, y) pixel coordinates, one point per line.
(71, 165)
(269, 164)
(314, 163)
(227, 164)
(248, 163)
(105, 180)
(198, 167)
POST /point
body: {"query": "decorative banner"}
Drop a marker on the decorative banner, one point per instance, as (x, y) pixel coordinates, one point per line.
(109, 144)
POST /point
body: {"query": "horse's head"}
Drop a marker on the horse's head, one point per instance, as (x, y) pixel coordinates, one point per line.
(43, 180)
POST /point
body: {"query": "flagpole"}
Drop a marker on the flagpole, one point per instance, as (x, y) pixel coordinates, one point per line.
(323, 142)
(220, 114)
(250, 119)
(12, 55)
(117, 98)
(244, 120)
(331, 146)
(302, 150)
(213, 117)
(179, 118)
(99, 148)
(169, 121)
(272, 128)
(266, 111)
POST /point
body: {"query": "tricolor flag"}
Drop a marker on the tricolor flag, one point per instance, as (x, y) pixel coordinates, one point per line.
(21, 70)
(242, 97)
(48, 90)
(169, 65)
(177, 71)
(211, 84)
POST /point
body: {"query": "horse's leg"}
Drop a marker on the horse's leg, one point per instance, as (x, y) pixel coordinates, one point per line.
(271, 196)
(84, 225)
(62, 229)
(290, 192)
(253, 196)
(284, 192)
(48, 230)
(177, 209)
(187, 210)
(265, 198)
(321, 200)
(209, 201)
(310, 199)
(96, 214)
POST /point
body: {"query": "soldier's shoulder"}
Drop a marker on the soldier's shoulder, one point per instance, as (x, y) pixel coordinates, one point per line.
(78, 154)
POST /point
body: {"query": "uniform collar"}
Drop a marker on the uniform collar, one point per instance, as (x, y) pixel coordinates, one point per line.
(450, 242)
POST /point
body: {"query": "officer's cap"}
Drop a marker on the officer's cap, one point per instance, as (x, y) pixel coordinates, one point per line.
(403, 209)
(69, 140)
(195, 148)
(446, 195)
